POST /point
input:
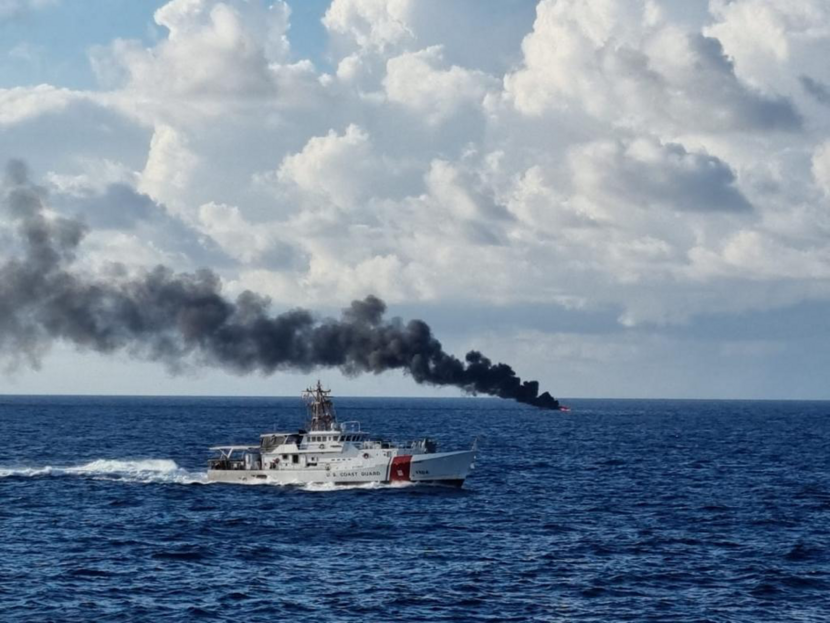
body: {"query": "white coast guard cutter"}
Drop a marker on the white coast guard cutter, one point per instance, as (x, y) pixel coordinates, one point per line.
(338, 453)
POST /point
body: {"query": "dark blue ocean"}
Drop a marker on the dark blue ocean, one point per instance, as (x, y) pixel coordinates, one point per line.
(617, 511)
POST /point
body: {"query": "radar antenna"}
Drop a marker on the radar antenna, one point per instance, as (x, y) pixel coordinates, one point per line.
(321, 414)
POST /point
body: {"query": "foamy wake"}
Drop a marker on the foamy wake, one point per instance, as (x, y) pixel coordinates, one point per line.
(167, 471)
(142, 470)
(322, 487)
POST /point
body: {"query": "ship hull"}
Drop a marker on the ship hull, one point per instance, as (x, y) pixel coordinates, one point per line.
(444, 468)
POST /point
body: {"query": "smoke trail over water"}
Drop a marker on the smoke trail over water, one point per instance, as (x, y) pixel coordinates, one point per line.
(173, 317)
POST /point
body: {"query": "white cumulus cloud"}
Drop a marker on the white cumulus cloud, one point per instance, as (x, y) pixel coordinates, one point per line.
(656, 162)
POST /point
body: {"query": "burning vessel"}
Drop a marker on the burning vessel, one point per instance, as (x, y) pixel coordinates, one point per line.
(328, 451)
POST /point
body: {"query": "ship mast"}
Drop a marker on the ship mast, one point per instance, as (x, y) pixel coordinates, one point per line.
(320, 409)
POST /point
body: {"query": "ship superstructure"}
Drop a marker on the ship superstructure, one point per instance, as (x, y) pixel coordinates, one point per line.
(328, 451)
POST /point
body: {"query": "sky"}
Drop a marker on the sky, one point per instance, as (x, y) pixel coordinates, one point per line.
(619, 198)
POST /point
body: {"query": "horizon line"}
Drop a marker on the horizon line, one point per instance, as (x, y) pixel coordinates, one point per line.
(460, 397)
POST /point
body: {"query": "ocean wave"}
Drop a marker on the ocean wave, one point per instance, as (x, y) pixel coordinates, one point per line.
(137, 470)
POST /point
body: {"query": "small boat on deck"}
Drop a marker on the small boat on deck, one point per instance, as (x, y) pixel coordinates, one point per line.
(328, 451)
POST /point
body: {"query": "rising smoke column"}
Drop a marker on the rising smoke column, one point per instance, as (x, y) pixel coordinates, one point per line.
(174, 317)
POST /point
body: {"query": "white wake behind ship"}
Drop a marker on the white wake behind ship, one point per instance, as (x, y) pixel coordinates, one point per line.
(335, 452)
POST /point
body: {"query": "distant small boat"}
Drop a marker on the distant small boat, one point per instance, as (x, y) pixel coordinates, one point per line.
(565, 408)
(338, 453)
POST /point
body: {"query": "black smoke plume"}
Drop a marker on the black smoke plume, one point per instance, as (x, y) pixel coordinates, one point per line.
(175, 318)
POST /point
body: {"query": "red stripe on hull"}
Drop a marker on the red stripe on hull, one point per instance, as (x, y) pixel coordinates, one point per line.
(399, 470)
